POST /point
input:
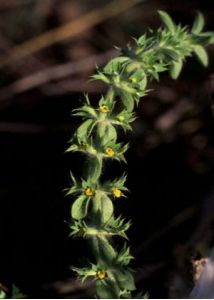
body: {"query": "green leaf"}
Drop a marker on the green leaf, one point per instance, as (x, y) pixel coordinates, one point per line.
(175, 68)
(125, 279)
(73, 147)
(101, 128)
(107, 289)
(101, 76)
(102, 207)
(85, 129)
(107, 252)
(106, 208)
(124, 294)
(169, 54)
(166, 19)
(198, 24)
(85, 111)
(201, 54)
(203, 39)
(115, 64)
(124, 256)
(106, 132)
(127, 100)
(143, 83)
(110, 133)
(103, 251)
(93, 169)
(2, 295)
(80, 207)
(146, 296)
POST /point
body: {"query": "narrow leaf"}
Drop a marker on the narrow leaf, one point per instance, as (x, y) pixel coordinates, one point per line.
(166, 19)
(169, 54)
(73, 147)
(203, 39)
(101, 76)
(85, 111)
(201, 54)
(175, 68)
(198, 24)
(125, 280)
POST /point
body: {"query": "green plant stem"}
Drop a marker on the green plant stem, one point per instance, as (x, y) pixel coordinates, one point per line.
(127, 77)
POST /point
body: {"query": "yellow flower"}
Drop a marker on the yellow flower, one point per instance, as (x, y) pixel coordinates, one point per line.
(101, 274)
(104, 109)
(116, 192)
(109, 151)
(89, 192)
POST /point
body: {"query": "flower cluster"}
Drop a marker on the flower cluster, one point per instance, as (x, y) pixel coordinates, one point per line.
(127, 76)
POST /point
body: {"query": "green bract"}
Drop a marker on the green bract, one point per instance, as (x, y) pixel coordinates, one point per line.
(127, 77)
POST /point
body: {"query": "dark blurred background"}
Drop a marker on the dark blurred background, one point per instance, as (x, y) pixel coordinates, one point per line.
(48, 51)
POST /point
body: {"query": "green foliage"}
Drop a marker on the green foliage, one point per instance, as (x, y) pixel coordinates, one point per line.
(201, 54)
(113, 227)
(198, 24)
(124, 257)
(166, 19)
(127, 76)
(3, 294)
(102, 207)
(80, 207)
(15, 293)
(107, 289)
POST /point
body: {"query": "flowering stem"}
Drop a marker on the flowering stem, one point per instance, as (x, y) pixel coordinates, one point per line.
(97, 137)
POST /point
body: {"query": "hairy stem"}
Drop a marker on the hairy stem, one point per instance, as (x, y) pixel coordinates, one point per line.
(127, 77)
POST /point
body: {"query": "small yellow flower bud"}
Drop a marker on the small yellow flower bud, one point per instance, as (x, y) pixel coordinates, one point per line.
(116, 192)
(104, 109)
(101, 274)
(134, 79)
(120, 118)
(89, 192)
(109, 151)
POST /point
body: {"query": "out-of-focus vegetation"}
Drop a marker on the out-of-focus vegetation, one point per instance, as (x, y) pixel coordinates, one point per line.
(48, 50)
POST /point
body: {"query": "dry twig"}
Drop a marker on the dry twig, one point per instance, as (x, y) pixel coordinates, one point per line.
(68, 30)
(55, 73)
